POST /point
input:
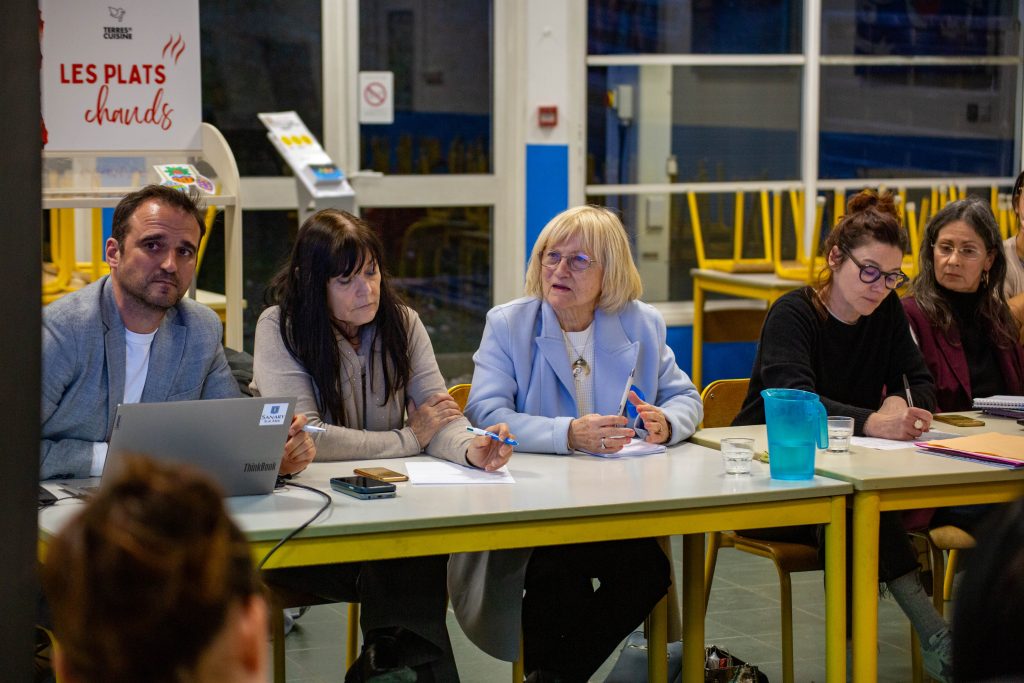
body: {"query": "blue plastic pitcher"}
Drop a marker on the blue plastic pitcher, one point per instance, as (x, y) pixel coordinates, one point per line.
(796, 422)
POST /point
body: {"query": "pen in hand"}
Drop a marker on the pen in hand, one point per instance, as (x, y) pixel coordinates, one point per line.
(313, 429)
(625, 392)
(484, 432)
(906, 387)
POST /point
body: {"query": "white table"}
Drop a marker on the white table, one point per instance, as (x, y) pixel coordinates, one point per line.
(903, 479)
(555, 500)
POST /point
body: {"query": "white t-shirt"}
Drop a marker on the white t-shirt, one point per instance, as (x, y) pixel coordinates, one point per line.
(136, 368)
(1014, 284)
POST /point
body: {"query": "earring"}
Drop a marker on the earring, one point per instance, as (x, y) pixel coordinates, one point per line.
(984, 279)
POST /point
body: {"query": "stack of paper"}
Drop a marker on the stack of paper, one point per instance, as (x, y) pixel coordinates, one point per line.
(634, 447)
(1004, 450)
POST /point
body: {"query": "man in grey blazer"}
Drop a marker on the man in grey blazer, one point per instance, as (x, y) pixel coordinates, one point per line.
(132, 337)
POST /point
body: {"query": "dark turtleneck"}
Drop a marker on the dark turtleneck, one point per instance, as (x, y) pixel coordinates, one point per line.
(975, 336)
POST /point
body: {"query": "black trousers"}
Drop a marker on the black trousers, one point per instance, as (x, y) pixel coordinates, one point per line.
(410, 593)
(569, 627)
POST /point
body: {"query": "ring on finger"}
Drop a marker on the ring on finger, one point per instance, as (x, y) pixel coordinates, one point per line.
(918, 424)
(603, 446)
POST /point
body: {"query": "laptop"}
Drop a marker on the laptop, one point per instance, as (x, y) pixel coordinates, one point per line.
(239, 442)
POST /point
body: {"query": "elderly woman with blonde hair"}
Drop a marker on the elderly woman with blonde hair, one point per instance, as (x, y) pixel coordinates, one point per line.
(553, 366)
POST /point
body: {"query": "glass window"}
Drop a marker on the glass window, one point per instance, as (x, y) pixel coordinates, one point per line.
(441, 56)
(694, 26)
(269, 236)
(718, 123)
(260, 56)
(942, 27)
(893, 121)
(439, 260)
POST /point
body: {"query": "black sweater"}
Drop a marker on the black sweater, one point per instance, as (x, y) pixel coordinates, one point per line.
(851, 367)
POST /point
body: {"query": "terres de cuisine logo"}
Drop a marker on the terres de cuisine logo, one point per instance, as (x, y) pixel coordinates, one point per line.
(117, 32)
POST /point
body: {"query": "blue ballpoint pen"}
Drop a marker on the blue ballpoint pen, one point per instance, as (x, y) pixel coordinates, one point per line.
(484, 432)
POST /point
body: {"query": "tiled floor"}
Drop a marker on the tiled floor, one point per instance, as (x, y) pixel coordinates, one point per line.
(743, 617)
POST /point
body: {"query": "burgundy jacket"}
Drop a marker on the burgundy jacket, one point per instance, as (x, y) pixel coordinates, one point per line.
(948, 364)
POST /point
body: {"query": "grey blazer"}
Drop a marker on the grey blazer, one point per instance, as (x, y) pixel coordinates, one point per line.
(84, 365)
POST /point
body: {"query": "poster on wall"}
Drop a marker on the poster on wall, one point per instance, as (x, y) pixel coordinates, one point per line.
(120, 75)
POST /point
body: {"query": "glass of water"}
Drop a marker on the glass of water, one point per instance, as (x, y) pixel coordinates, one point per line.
(840, 429)
(737, 452)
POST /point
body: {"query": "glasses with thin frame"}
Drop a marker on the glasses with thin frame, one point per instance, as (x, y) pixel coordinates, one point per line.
(577, 262)
(968, 252)
(871, 274)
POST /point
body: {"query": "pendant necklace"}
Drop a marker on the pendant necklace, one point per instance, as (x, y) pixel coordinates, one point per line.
(580, 365)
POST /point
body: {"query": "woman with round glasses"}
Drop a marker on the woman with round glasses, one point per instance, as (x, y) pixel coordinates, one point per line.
(553, 366)
(847, 340)
(958, 311)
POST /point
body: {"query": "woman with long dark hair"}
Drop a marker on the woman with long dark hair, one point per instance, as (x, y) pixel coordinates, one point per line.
(359, 361)
(957, 308)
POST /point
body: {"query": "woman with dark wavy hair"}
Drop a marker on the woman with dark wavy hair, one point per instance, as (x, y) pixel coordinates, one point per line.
(957, 308)
(360, 362)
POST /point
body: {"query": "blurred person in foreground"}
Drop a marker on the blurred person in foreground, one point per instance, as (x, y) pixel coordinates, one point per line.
(153, 582)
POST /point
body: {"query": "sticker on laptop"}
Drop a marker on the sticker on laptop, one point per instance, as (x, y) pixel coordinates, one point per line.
(273, 414)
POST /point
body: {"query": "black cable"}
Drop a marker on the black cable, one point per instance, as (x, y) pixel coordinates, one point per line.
(291, 534)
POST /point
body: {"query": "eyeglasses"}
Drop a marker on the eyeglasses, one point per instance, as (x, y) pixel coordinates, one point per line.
(968, 252)
(577, 262)
(871, 274)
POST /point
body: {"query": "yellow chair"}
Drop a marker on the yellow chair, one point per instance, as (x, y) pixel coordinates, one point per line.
(805, 265)
(736, 264)
(460, 392)
(722, 401)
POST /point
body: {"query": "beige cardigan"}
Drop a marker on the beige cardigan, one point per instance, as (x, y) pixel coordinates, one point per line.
(382, 431)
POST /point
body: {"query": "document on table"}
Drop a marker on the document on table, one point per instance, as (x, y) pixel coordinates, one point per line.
(893, 445)
(634, 447)
(449, 473)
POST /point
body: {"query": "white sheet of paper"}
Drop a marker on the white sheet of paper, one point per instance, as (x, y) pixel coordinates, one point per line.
(893, 445)
(634, 447)
(449, 473)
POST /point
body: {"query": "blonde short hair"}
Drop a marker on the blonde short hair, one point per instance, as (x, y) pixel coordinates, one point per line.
(603, 237)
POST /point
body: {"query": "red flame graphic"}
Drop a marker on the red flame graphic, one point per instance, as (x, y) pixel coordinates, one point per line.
(175, 47)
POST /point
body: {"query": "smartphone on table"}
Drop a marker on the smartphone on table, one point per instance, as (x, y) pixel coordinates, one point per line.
(364, 488)
(382, 473)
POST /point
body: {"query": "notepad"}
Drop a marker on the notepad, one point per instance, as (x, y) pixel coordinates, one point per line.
(634, 447)
(999, 401)
(1001, 449)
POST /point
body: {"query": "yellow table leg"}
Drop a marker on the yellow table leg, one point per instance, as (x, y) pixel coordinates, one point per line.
(696, 374)
(865, 586)
(835, 593)
(657, 644)
(693, 609)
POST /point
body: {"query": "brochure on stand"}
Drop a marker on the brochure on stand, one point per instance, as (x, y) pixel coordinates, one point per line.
(301, 150)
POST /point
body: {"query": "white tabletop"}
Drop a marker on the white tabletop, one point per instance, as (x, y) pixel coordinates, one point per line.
(546, 487)
(869, 469)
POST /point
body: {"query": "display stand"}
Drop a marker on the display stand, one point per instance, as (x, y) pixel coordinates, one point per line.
(74, 180)
(319, 183)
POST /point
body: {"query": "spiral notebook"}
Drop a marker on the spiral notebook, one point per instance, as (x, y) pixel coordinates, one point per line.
(999, 401)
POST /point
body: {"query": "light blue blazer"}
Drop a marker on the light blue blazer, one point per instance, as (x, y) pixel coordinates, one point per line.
(523, 378)
(523, 375)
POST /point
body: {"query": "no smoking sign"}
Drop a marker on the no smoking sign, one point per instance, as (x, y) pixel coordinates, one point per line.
(376, 97)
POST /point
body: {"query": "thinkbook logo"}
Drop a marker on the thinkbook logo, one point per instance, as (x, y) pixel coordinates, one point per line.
(258, 466)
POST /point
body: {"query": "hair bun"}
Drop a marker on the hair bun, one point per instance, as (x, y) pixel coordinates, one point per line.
(869, 199)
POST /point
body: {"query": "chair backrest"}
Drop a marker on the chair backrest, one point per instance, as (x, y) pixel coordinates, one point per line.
(460, 392)
(723, 399)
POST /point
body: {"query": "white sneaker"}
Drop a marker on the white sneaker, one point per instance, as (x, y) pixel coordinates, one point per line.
(937, 656)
